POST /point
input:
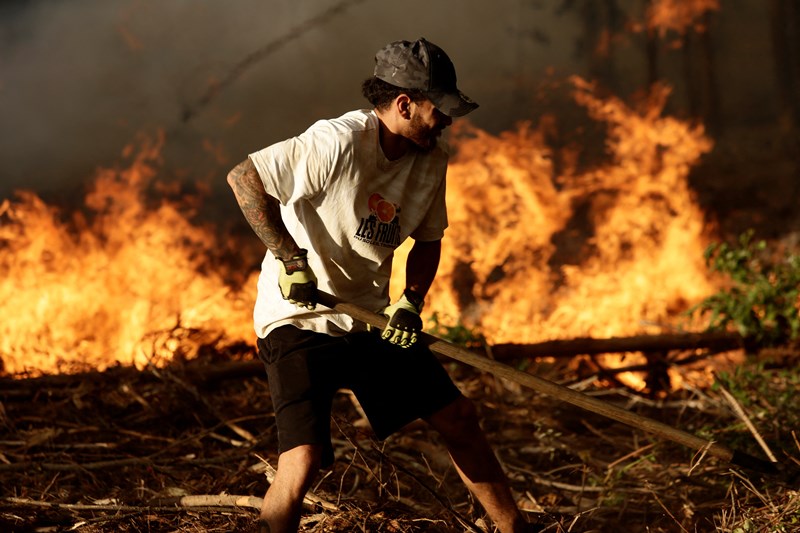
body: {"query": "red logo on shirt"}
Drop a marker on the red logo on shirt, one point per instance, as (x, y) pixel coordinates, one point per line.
(383, 209)
(382, 226)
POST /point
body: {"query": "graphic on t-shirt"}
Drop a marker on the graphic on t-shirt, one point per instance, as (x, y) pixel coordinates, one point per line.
(382, 226)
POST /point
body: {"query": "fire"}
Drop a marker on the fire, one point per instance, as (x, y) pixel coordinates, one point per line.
(539, 250)
(540, 246)
(128, 282)
(678, 15)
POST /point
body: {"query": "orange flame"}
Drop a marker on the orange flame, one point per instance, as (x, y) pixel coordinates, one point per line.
(678, 15)
(538, 248)
(118, 285)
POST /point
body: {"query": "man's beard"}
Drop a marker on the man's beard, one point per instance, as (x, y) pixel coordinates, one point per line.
(423, 135)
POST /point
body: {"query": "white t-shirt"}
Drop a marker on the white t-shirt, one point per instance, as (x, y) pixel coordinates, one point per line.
(350, 207)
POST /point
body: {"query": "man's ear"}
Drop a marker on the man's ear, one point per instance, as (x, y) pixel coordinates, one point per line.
(403, 105)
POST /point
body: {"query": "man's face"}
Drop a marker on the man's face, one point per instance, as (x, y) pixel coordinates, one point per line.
(426, 125)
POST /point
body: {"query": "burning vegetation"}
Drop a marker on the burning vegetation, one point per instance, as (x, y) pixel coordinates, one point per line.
(542, 246)
(131, 399)
(121, 281)
(538, 249)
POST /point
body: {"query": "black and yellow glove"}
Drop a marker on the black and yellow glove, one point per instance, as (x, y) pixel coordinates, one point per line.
(404, 321)
(297, 281)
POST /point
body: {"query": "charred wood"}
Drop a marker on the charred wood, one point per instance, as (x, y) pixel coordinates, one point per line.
(640, 343)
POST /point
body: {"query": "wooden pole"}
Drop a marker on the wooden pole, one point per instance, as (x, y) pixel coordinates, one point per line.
(559, 392)
(721, 340)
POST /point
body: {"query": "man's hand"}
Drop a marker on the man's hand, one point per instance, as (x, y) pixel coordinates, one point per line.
(297, 281)
(404, 321)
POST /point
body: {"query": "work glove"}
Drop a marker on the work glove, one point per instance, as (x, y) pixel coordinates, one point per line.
(297, 281)
(404, 321)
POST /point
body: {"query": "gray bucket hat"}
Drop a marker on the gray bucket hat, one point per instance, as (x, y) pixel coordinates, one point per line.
(424, 66)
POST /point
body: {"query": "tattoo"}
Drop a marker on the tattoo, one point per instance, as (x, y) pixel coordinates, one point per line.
(261, 210)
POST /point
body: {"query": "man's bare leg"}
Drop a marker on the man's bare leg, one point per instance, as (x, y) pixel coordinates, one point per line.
(477, 465)
(283, 502)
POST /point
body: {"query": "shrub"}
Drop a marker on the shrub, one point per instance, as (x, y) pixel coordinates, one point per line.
(761, 301)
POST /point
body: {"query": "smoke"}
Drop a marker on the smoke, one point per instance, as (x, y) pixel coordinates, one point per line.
(81, 79)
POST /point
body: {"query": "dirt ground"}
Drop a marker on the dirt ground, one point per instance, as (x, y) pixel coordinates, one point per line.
(117, 450)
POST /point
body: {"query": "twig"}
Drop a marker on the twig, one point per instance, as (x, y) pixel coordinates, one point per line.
(739, 410)
(627, 456)
(311, 500)
(211, 500)
(202, 399)
(749, 485)
(668, 512)
(212, 503)
(99, 465)
(697, 460)
(398, 467)
(556, 484)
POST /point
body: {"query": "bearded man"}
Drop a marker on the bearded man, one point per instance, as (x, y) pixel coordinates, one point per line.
(331, 205)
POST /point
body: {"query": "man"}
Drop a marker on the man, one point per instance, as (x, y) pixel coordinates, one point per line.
(331, 205)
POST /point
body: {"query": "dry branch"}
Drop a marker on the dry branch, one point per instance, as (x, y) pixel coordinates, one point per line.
(211, 500)
(739, 410)
(640, 343)
(212, 503)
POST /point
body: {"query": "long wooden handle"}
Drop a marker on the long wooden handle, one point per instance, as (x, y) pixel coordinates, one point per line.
(558, 391)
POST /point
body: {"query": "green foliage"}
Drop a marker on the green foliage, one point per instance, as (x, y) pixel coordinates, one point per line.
(761, 302)
(458, 334)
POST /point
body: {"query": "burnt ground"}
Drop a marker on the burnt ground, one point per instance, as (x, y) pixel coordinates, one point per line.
(116, 450)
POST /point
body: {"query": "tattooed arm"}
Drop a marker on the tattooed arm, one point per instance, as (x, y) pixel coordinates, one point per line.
(261, 210)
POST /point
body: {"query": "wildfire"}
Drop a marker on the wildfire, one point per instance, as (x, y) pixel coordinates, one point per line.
(126, 282)
(539, 247)
(678, 15)
(537, 250)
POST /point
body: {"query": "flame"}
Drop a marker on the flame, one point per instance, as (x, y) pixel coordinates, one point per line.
(678, 15)
(128, 282)
(540, 246)
(538, 250)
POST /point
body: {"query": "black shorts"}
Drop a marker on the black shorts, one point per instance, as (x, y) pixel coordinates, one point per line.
(305, 369)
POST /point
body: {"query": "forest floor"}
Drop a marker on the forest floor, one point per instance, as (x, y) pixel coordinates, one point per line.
(117, 450)
(125, 449)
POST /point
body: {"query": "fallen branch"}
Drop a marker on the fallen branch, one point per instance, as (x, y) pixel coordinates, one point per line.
(213, 503)
(719, 341)
(212, 500)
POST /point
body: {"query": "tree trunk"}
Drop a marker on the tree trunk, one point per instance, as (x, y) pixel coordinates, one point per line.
(785, 19)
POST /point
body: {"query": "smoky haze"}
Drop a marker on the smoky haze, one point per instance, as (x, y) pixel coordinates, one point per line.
(80, 80)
